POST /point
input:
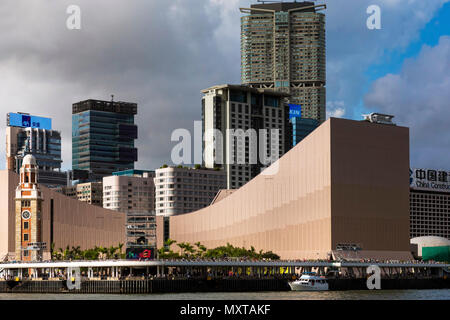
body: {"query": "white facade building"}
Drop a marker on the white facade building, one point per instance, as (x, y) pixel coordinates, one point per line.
(183, 190)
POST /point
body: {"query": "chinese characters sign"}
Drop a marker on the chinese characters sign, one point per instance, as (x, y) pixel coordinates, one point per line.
(431, 180)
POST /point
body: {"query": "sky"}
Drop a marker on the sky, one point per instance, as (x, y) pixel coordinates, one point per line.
(161, 53)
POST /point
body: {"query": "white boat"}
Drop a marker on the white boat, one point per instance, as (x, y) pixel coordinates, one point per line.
(309, 282)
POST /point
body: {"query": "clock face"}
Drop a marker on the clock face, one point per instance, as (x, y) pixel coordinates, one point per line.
(26, 215)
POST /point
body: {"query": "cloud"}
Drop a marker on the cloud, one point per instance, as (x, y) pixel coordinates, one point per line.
(352, 48)
(419, 98)
(161, 53)
(335, 109)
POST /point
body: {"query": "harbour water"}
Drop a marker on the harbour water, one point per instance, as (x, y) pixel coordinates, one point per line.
(442, 294)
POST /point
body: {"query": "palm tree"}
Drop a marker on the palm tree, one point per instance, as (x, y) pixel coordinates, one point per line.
(76, 253)
(169, 242)
(66, 253)
(201, 249)
(189, 248)
(182, 246)
(120, 246)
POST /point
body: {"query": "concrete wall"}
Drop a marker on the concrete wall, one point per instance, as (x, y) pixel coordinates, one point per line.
(75, 223)
(370, 185)
(6, 223)
(347, 182)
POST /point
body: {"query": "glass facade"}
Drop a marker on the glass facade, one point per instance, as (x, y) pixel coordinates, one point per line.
(28, 134)
(103, 135)
(44, 145)
(301, 127)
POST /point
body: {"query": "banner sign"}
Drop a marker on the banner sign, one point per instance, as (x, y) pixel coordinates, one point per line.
(295, 111)
(429, 180)
(28, 121)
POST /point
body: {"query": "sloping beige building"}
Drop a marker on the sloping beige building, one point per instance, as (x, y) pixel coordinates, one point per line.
(346, 183)
(65, 221)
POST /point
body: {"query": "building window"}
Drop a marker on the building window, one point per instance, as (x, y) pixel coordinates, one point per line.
(25, 225)
(25, 237)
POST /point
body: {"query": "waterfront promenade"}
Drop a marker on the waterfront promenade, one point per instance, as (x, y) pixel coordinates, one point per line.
(119, 268)
(170, 276)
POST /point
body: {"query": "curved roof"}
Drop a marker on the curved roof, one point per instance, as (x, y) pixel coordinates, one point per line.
(430, 241)
(29, 159)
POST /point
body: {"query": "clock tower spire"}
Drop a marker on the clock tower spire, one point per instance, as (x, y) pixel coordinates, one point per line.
(28, 212)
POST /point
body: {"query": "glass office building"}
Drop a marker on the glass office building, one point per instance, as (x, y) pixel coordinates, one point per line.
(301, 127)
(103, 135)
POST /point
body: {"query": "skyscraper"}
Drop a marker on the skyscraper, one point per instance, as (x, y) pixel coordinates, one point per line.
(103, 134)
(283, 47)
(28, 134)
(247, 118)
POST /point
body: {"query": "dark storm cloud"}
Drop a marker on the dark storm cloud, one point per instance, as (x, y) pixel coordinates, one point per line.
(161, 53)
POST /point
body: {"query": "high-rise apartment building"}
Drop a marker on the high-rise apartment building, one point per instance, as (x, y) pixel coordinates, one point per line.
(283, 47)
(103, 134)
(133, 192)
(28, 134)
(181, 190)
(254, 126)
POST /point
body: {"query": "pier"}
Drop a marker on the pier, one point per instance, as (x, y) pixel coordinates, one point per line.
(164, 276)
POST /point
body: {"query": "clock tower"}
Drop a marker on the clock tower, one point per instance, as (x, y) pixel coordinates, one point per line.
(28, 213)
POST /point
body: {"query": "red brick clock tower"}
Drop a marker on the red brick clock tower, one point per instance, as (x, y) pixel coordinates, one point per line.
(28, 212)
